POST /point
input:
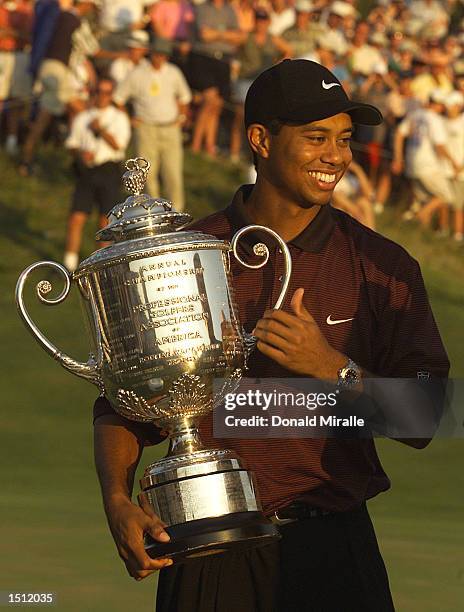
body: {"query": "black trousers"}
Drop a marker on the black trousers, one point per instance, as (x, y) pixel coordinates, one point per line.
(98, 187)
(326, 564)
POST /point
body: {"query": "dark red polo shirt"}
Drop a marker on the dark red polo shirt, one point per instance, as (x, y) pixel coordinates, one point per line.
(348, 272)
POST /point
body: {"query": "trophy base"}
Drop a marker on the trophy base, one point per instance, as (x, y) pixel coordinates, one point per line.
(211, 536)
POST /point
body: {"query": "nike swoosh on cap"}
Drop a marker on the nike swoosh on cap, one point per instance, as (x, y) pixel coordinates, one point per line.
(329, 85)
(331, 321)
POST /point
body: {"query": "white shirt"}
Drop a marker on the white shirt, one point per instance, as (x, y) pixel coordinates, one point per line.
(120, 14)
(281, 21)
(334, 39)
(155, 94)
(424, 130)
(111, 120)
(455, 144)
(120, 69)
(365, 59)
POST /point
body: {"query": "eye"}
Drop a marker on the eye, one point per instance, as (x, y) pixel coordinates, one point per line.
(316, 139)
(345, 142)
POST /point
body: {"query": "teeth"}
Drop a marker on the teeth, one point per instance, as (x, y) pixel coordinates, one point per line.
(322, 176)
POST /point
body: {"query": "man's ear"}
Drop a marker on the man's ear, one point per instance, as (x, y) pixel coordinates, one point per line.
(258, 138)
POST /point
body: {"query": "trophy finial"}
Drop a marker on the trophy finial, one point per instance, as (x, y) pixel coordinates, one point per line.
(136, 175)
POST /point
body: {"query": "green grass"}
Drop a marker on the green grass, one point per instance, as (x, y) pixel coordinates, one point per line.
(53, 532)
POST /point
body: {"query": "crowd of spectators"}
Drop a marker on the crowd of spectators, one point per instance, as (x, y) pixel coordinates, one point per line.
(180, 69)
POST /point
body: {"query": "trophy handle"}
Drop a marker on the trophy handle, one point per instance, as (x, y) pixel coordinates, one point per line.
(89, 370)
(261, 250)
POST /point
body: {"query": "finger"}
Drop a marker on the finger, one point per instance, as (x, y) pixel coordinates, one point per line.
(290, 320)
(267, 326)
(284, 317)
(156, 529)
(298, 307)
(138, 557)
(141, 574)
(272, 339)
(271, 352)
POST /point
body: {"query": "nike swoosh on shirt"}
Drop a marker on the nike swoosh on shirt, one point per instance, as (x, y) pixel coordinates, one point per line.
(331, 321)
(330, 85)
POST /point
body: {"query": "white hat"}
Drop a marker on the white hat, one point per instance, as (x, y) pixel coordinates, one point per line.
(139, 39)
(342, 9)
(455, 98)
(304, 6)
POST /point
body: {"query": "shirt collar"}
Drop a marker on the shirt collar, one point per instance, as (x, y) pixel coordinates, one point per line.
(312, 239)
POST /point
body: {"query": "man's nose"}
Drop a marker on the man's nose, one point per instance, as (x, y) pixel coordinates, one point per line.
(332, 153)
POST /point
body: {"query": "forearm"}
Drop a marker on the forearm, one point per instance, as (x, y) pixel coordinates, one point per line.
(233, 37)
(109, 139)
(117, 451)
(118, 446)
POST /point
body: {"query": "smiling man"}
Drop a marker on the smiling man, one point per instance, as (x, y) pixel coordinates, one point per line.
(356, 304)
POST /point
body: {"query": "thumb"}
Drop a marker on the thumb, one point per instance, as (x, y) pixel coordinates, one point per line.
(297, 305)
(156, 530)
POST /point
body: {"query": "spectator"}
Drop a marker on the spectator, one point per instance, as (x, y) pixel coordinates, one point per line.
(172, 20)
(363, 57)
(45, 15)
(436, 77)
(117, 18)
(137, 46)
(59, 89)
(259, 51)
(98, 139)
(282, 17)
(400, 100)
(334, 33)
(218, 38)
(425, 155)
(429, 14)
(375, 90)
(245, 14)
(15, 81)
(454, 126)
(402, 60)
(160, 97)
(302, 37)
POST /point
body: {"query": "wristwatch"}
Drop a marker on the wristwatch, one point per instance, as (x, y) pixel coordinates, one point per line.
(349, 375)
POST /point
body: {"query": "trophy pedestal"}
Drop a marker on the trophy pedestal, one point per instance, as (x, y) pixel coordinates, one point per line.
(208, 501)
(213, 536)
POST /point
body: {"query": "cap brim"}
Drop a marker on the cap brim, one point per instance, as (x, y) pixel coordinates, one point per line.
(360, 113)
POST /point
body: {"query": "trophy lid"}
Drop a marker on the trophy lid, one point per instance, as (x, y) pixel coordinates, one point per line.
(140, 215)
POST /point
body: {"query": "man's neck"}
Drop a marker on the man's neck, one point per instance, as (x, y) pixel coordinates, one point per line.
(267, 207)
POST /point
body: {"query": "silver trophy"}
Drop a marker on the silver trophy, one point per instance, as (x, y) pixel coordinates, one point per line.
(163, 326)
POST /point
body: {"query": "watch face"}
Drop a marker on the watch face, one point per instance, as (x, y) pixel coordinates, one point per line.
(351, 376)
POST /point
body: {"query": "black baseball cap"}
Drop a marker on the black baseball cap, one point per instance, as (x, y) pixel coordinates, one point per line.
(302, 91)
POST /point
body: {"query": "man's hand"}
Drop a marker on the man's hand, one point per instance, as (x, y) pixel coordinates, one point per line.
(296, 342)
(128, 523)
(95, 126)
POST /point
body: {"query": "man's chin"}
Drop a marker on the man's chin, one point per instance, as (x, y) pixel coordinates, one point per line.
(321, 199)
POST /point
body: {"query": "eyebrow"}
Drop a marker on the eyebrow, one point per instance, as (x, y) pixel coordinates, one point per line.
(316, 128)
